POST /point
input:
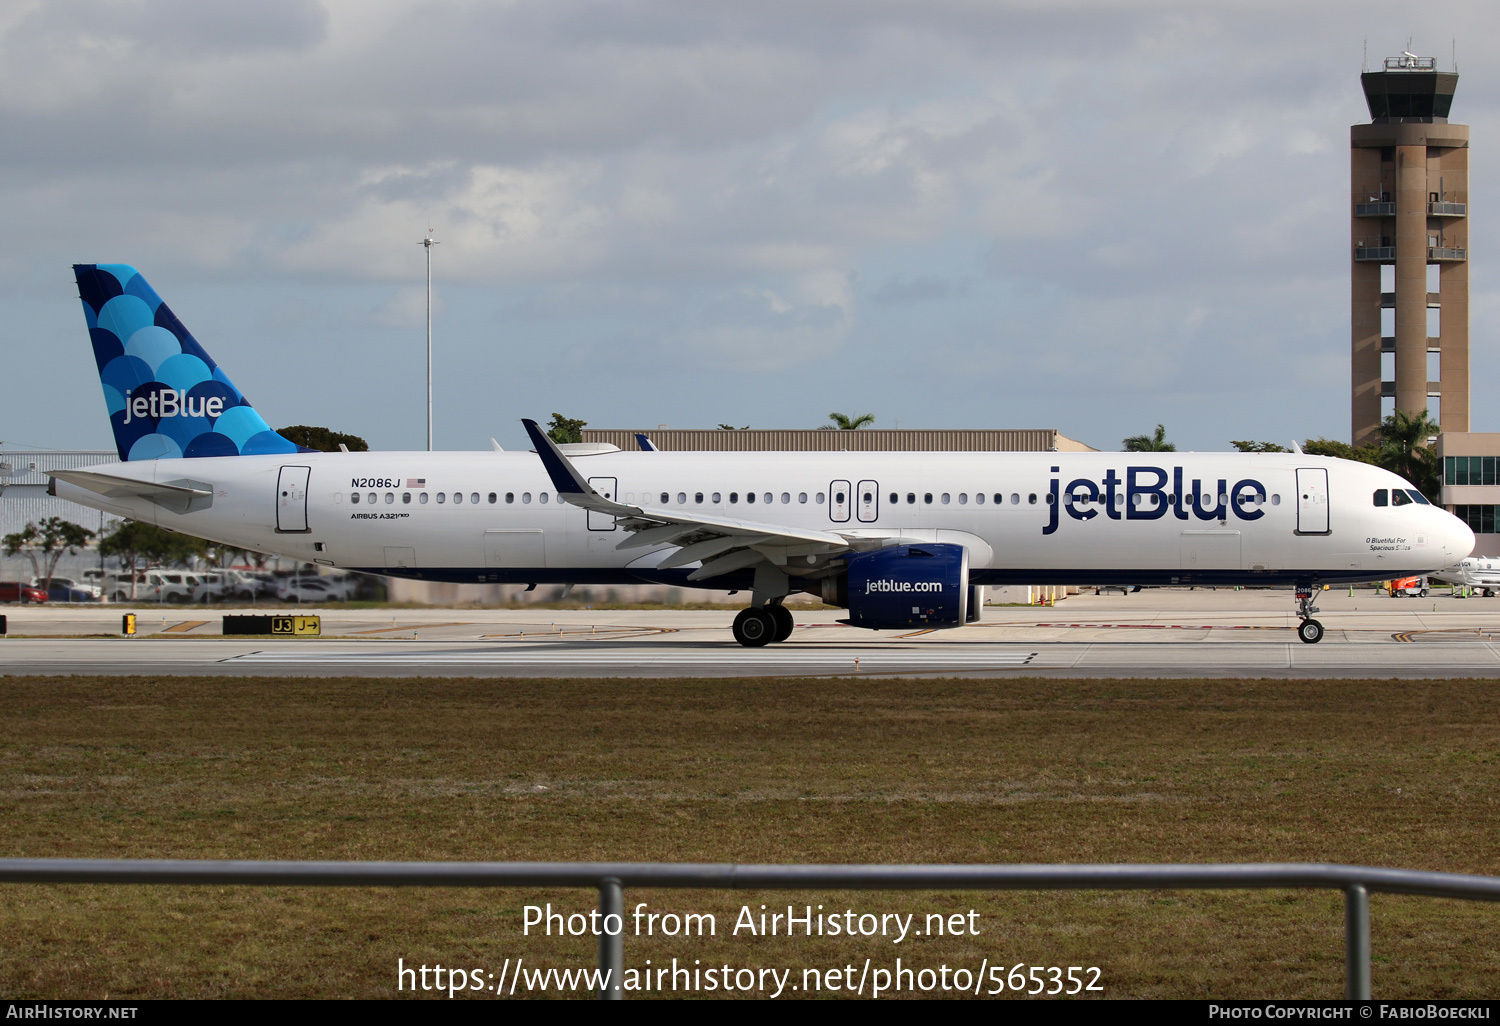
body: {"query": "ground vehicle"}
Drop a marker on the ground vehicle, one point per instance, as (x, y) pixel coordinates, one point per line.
(15, 591)
(1409, 587)
(65, 589)
(312, 589)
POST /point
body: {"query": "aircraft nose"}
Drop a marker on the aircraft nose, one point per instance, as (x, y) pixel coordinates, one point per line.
(1458, 540)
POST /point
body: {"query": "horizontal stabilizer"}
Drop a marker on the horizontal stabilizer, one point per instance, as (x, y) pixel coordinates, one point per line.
(178, 496)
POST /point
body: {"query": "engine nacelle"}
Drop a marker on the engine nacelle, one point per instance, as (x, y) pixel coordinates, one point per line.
(925, 585)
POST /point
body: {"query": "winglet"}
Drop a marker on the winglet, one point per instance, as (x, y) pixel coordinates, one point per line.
(568, 482)
(645, 443)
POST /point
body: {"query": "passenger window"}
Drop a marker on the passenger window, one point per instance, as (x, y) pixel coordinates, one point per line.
(911, 497)
(458, 497)
(474, 498)
(665, 498)
(1399, 498)
(1015, 498)
(493, 497)
(510, 496)
(838, 498)
(927, 498)
(895, 498)
(749, 496)
(786, 497)
(422, 498)
(525, 497)
(999, 499)
(734, 496)
(716, 498)
(767, 497)
(801, 496)
(406, 498)
(371, 498)
(820, 498)
(442, 498)
(1031, 498)
(390, 497)
(963, 498)
(542, 496)
(682, 498)
(1382, 497)
(979, 498)
(354, 498)
(1276, 499)
(945, 498)
(698, 498)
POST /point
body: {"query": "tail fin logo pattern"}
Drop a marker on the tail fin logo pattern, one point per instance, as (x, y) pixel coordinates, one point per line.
(166, 396)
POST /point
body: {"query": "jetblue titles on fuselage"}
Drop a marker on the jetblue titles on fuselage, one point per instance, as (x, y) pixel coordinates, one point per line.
(1146, 496)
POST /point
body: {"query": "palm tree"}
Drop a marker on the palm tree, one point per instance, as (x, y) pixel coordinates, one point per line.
(1150, 443)
(1404, 450)
(844, 422)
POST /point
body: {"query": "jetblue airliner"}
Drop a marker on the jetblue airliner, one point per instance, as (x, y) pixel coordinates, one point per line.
(900, 539)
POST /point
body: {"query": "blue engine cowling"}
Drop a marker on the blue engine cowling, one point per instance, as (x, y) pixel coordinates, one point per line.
(909, 586)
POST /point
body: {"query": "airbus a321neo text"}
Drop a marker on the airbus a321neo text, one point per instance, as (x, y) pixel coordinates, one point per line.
(900, 539)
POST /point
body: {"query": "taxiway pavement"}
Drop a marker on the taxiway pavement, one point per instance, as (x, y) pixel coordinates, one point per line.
(1153, 634)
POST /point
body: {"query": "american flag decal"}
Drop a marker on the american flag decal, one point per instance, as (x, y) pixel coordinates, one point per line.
(416, 482)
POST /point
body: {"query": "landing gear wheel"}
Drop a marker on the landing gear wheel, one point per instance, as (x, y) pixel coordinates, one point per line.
(782, 617)
(754, 628)
(1310, 631)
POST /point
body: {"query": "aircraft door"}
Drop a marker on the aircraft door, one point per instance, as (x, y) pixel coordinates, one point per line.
(839, 501)
(1312, 501)
(609, 488)
(868, 496)
(291, 500)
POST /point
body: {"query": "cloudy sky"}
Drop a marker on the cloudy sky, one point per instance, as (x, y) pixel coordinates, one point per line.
(1093, 215)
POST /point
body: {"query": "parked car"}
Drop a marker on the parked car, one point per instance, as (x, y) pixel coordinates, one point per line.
(214, 586)
(250, 585)
(312, 589)
(65, 589)
(155, 586)
(17, 591)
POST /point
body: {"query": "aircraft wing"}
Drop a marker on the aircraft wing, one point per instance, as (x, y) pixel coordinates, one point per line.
(722, 544)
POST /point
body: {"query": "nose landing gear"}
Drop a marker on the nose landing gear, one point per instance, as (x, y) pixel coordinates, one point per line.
(1309, 630)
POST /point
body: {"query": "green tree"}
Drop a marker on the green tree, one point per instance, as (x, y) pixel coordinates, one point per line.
(1259, 447)
(133, 542)
(322, 439)
(731, 427)
(1156, 442)
(563, 430)
(1340, 450)
(1404, 449)
(844, 422)
(44, 544)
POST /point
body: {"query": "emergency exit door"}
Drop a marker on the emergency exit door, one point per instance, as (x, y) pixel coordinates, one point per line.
(868, 495)
(1312, 501)
(291, 500)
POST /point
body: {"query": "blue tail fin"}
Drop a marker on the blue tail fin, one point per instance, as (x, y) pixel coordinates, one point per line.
(166, 396)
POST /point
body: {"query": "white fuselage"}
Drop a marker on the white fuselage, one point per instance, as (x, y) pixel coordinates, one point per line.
(1140, 518)
(1474, 572)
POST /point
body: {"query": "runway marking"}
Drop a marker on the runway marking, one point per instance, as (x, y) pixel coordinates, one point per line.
(184, 626)
(1163, 626)
(414, 627)
(604, 634)
(615, 659)
(916, 634)
(1465, 632)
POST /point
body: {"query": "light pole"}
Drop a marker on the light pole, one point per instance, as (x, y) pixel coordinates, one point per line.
(427, 244)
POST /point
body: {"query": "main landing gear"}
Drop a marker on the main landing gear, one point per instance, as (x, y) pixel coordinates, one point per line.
(762, 625)
(1309, 630)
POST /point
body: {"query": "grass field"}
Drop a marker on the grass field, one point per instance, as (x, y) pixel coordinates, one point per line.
(1376, 772)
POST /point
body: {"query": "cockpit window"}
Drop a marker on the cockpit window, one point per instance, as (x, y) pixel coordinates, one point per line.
(1382, 497)
(1399, 497)
(1418, 496)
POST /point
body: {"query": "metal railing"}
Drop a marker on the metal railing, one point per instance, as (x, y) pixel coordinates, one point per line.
(611, 879)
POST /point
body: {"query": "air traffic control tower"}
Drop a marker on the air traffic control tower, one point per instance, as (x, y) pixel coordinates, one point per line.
(1410, 184)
